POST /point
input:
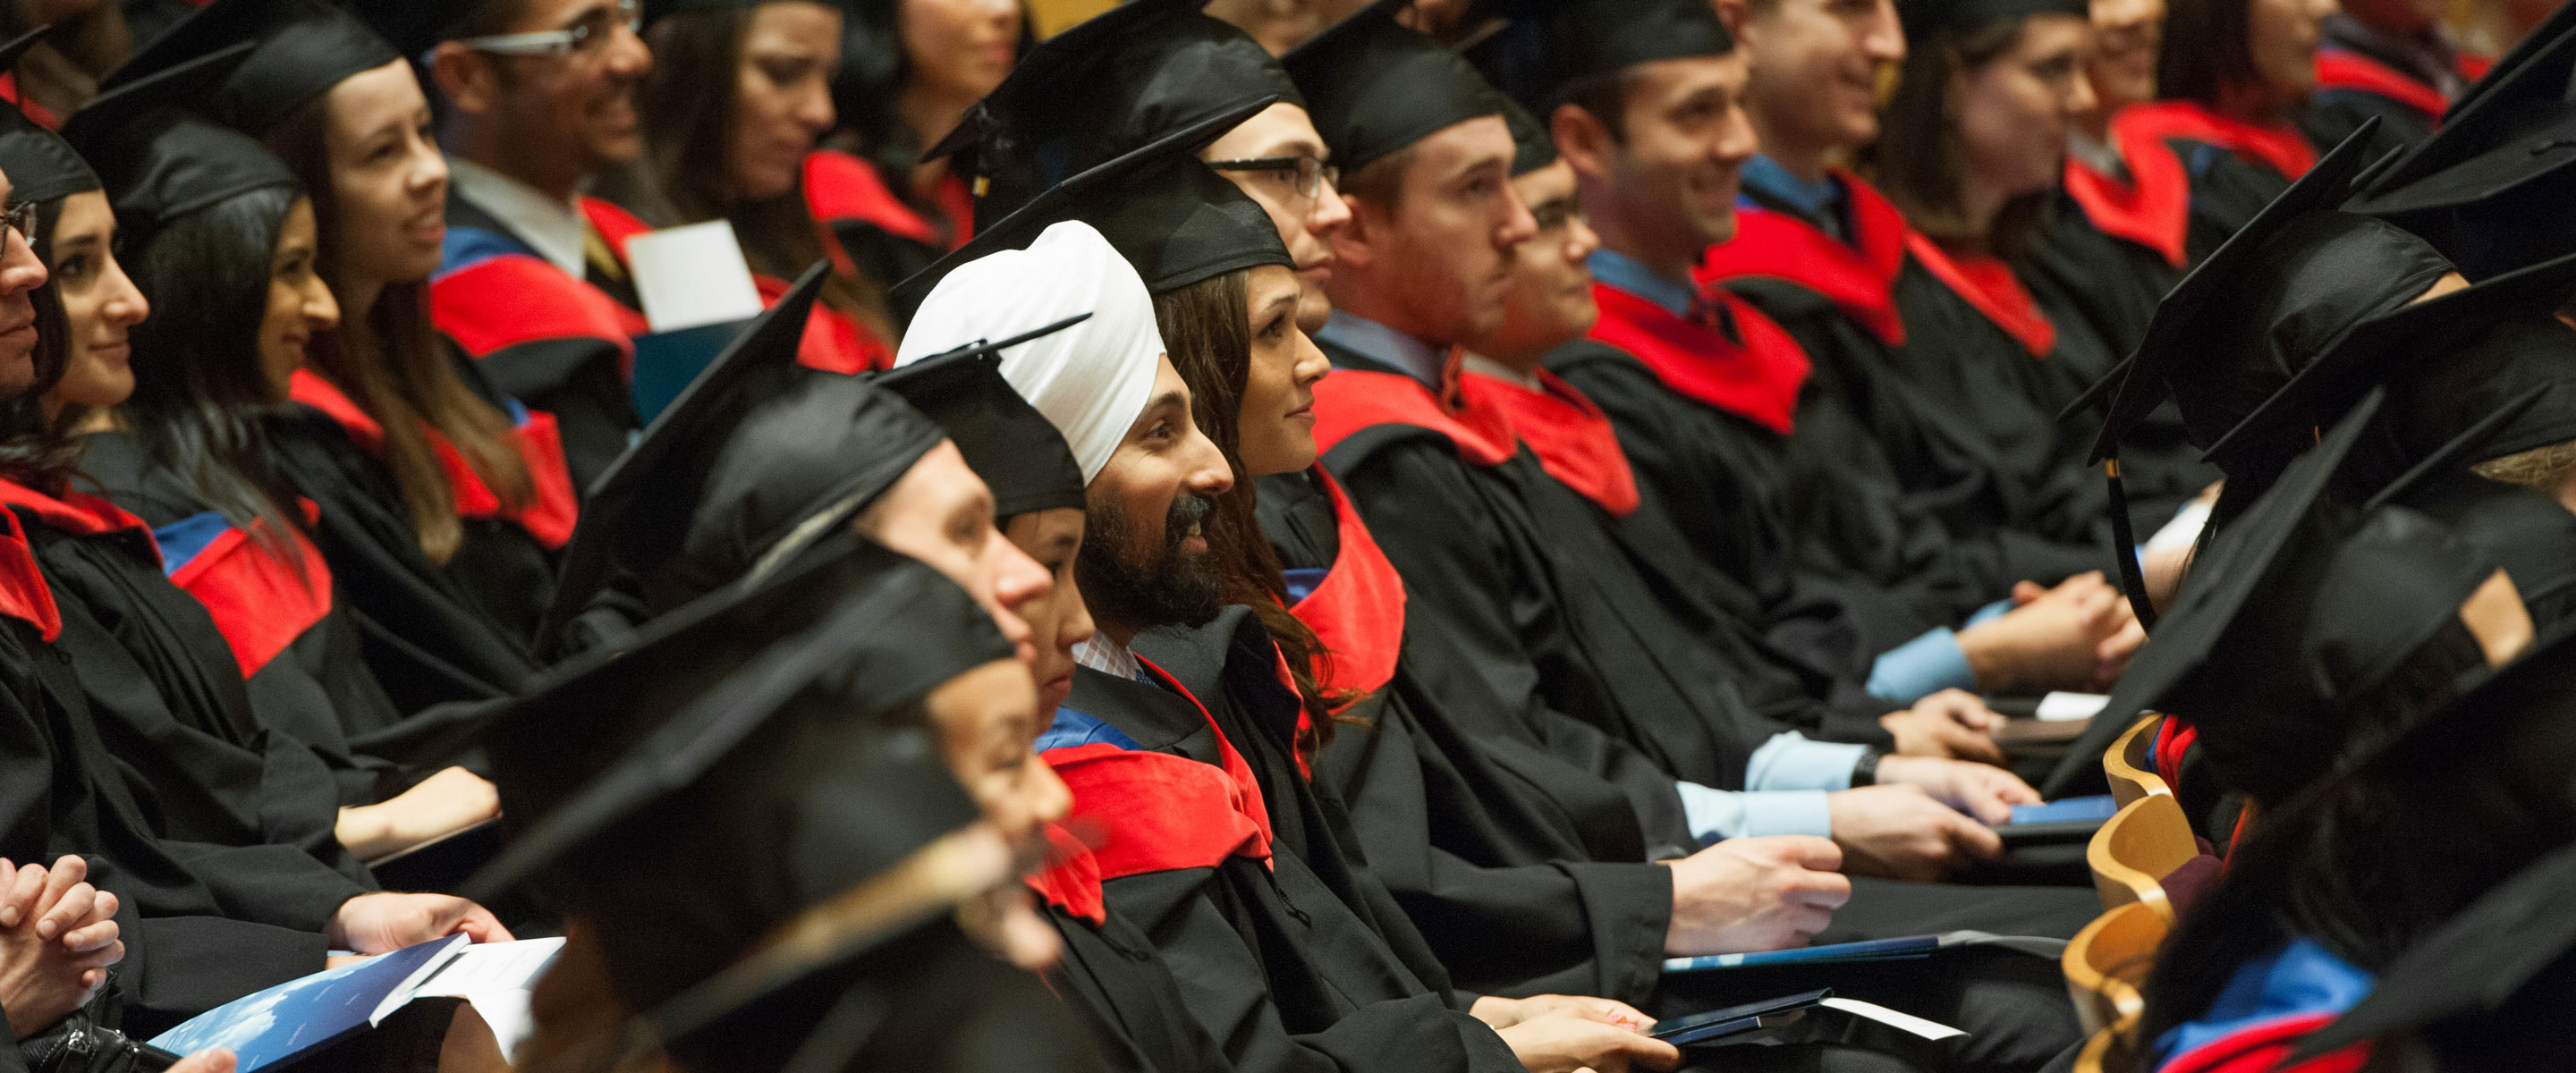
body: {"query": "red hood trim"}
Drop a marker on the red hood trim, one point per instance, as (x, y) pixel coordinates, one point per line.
(2152, 209)
(1757, 379)
(1071, 879)
(504, 301)
(1989, 285)
(1159, 812)
(839, 186)
(548, 516)
(2347, 70)
(2278, 146)
(23, 593)
(2261, 1047)
(43, 116)
(1358, 610)
(1858, 276)
(308, 387)
(77, 512)
(261, 602)
(614, 224)
(1572, 438)
(1354, 399)
(833, 342)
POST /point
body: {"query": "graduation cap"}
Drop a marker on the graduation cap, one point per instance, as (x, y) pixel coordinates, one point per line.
(40, 164)
(1374, 87)
(1532, 147)
(1540, 51)
(157, 160)
(757, 754)
(2301, 617)
(1924, 19)
(2450, 361)
(1105, 87)
(1173, 219)
(1006, 441)
(305, 47)
(2489, 186)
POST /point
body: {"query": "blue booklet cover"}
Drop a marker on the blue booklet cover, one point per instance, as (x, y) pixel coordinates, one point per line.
(2096, 808)
(1903, 947)
(665, 362)
(285, 1021)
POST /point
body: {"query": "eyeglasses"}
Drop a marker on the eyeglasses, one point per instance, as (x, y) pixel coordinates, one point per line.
(21, 218)
(1305, 175)
(590, 33)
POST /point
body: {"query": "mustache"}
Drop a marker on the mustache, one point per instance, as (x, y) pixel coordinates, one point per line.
(1187, 511)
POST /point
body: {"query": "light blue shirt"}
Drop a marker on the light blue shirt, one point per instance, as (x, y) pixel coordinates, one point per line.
(1787, 781)
(1631, 275)
(1413, 357)
(1822, 200)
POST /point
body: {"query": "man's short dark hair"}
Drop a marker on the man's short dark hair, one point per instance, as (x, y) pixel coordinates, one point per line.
(1603, 96)
(2205, 49)
(1380, 182)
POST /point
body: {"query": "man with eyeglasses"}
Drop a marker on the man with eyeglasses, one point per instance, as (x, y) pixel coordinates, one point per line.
(537, 97)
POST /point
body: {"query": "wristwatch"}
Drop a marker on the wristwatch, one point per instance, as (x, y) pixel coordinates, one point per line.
(1865, 769)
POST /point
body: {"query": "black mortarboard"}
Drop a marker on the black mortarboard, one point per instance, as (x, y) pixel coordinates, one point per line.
(1538, 52)
(2488, 188)
(2296, 620)
(1924, 18)
(1006, 441)
(1532, 147)
(41, 166)
(1109, 85)
(756, 741)
(1374, 87)
(412, 27)
(2281, 290)
(2448, 361)
(305, 48)
(654, 10)
(157, 160)
(1176, 221)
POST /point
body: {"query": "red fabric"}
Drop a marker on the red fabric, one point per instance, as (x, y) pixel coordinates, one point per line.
(502, 302)
(308, 387)
(2473, 66)
(1159, 812)
(1287, 679)
(2340, 69)
(1358, 610)
(957, 203)
(260, 601)
(833, 342)
(1071, 879)
(76, 512)
(2152, 209)
(2260, 1049)
(1989, 285)
(1757, 379)
(1859, 276)
(839, 186)
(2174, 738)
(23, 593)
(1351, 400)
(615, 225)
(43, 116)
(2278, 146)
(1573, 439)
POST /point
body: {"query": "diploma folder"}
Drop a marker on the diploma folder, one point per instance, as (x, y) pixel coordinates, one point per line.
(300, 1017)
(1900, 948)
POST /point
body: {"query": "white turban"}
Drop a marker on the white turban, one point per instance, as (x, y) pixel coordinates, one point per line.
(1093, 379)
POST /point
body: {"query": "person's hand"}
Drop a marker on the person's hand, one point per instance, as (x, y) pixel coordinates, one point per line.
(1557, 1043)
(1501, 1012)
(1952, 723)
(1985, 792)
(60, 901)
(1900, 832)
(1763, 893)
(210, 1060)
(385, 922)
(2078, 635)
(435, 807)
(55, 956)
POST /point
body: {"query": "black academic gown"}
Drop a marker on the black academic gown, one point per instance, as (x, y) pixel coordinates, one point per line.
(427, 640)
(2232, 168)
(1118, 984)
(1284, 951)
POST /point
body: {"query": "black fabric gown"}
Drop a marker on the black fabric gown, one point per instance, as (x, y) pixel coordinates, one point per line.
(1119, 986)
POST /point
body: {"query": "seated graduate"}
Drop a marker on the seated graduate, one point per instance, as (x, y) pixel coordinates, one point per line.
(539, 100)
(2228, 85)
(738, 95)
(796, 734)
(1707, 415)
(2446, 801)
(1284, 949)
(2389, 59)
(909, 73)
(2114, 242)
(478, 480)
(166, 414)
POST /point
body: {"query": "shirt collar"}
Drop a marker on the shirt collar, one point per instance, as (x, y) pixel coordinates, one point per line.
(1109, 657)
(1821, 200)
(1485, 366)
(555, 229)
(1631, 275)
(1413, 357)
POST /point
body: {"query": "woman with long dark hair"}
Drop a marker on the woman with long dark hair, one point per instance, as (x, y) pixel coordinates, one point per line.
(910, 70)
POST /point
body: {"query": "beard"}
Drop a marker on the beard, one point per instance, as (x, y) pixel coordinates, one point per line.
(1174, 588)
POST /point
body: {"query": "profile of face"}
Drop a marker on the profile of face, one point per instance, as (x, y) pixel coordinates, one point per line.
(1145, 559)
(2014, 112)
(1306, 210)
(941, 513)
(100, 305)
(782, 100)
(1440, 254)
(1678, 160)
(2127, 34)
(1275, 424)
(959, 49)
(572, 114)
(1551, 282)
(987, 724)
(2282, 36)
(1059, 621)
(300, 305)
(1816, 67)
(20, 275)
(388, 179)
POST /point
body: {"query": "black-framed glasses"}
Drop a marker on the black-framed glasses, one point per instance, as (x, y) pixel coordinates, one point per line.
(1306, 175)
(21, 218)
(590, 33)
